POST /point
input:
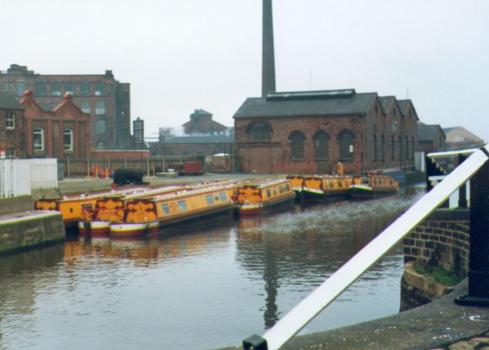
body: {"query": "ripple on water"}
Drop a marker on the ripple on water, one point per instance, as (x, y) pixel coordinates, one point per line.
(154, 293)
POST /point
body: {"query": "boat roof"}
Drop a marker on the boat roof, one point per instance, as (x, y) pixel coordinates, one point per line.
(193, 192)
(111, 193)
(263, 183)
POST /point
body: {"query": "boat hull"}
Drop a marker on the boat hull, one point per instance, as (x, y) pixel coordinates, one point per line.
(267, 207)
(133, 229)
(94, 228)
(364, 192)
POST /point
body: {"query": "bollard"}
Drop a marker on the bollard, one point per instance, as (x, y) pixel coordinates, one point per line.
(479, 241)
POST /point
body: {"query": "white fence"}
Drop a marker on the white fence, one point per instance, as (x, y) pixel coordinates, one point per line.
(44, 173)
(19, 177)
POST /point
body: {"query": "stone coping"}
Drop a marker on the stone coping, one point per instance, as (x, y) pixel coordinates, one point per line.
(426, 284)
(433, 325)
(26, 216)
(457, 214)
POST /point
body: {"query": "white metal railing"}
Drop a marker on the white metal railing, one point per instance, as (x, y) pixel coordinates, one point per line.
(330, 289)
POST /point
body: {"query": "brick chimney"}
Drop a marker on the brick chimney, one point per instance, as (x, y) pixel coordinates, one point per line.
(268, 55)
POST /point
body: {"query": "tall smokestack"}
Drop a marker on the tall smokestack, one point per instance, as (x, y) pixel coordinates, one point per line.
(268, 59)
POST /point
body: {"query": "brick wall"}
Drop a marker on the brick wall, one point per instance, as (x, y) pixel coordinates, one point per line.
(441, 240)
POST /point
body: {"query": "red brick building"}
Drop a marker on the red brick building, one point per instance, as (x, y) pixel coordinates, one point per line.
(12, 138)
(431, 138)
(310, 131)
(201, 123)
(60, 133)
(101, 96)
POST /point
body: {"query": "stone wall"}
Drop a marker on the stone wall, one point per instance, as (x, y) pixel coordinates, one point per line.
(30, 230)
(15, 204)
(441, 240)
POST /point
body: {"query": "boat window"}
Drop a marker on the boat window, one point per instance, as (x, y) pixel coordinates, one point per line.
(182, 205)
(210, 199)
(165, 208)
(287, 187)
(269, 194)
(223, 196)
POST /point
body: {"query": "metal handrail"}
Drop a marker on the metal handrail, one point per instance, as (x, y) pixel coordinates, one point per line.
(445, 154)
(330, 289)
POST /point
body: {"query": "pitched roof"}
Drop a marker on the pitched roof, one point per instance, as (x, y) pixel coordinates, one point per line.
(8, 102)
(461, 133)
(310, 103)
(404, 106)
(428, 132)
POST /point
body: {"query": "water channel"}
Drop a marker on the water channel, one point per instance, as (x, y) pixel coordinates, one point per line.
(207, 287)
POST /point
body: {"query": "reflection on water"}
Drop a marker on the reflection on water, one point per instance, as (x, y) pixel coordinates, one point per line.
(203, 288)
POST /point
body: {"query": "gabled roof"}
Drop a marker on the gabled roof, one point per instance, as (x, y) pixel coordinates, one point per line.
(404, 106)
(8, 102)
(307, 103)
(201, 122)
(460, 131)
(428, 132)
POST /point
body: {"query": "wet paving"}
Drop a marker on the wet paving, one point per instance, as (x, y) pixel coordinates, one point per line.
(201, 287)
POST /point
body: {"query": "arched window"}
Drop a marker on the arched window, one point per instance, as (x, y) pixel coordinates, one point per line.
(259, 131)
(375, 147)
(296, 139)
(321, 145)
(382, 148)
(393, 148)
(345, 139)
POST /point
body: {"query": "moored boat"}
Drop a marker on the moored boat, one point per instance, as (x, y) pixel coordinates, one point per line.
(148, 215)
(111, 210)
(373, 186)
(325, 187)
(80, 207)
(255, 197)
(296, 182)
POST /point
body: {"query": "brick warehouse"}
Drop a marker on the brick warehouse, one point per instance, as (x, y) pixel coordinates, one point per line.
(100, 95)
(310, 131)
(60, 133)
(12, 137)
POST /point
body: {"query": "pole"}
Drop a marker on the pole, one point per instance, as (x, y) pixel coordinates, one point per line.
(479, 241)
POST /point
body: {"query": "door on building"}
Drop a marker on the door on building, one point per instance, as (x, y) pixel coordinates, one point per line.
(323, 167)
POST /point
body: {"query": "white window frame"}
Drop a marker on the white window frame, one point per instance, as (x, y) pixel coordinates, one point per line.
(86, 103)
(100, 107)
(68, 147)
(10, 121)
(38, 131)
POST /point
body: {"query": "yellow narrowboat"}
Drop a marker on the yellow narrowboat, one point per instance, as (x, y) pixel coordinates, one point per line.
(111, 209)
(149, 215)
(255, 197)
(296, 182)
(373, 186)
(78, 207)
(325, 187)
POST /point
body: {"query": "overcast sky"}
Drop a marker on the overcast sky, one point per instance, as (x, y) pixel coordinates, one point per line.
(188, 54)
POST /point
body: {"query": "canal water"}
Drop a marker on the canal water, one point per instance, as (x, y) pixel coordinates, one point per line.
(205, 287)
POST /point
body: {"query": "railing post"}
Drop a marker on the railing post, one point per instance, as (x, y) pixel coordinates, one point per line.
(429, 172)
(479, 241)
(462, 192)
